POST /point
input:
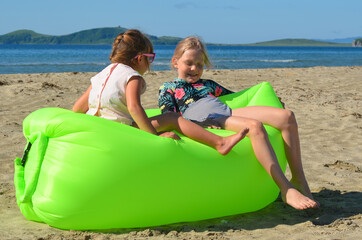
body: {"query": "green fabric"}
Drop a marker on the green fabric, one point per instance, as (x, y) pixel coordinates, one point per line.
(84, 172)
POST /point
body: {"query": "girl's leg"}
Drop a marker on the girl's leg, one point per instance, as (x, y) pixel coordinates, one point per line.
(266, 156)
(172, 121)
(285, 121)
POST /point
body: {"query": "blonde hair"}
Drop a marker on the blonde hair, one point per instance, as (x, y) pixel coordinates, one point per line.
(129, 44)
(191, 42)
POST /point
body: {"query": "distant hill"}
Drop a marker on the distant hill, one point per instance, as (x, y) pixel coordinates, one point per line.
(106, 36)
(92, 36)
(300, 43)
(339, 40)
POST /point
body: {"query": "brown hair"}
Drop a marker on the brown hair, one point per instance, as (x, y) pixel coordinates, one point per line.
(191, 42)
(129, 44)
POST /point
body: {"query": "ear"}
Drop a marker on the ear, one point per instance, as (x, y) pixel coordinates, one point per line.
(137, 60)
(174, 62)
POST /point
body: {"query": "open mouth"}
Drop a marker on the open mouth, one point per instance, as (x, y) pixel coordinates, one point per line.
(193, 75)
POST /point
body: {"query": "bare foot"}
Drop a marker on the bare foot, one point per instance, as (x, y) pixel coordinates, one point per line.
(229, 142)
(302, 186)
(297, 200)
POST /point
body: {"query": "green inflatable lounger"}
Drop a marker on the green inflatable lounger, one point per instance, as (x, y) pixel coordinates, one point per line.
(83, 172)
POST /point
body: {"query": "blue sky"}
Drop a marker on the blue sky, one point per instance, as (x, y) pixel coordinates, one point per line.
(216, 21)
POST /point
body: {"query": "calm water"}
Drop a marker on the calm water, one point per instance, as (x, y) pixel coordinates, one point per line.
(81, 58)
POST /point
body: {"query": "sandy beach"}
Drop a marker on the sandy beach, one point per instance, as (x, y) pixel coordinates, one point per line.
(327, 102)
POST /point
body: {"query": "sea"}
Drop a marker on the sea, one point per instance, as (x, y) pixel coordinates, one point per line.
(93, 58)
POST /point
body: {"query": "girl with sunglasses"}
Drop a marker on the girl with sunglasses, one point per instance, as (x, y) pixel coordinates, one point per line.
(115, 92)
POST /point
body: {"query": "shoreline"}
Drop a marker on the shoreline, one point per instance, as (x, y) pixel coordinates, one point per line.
(327, 102)
(95, 58)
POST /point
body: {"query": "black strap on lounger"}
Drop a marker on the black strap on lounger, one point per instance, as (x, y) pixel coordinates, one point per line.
(25, 155)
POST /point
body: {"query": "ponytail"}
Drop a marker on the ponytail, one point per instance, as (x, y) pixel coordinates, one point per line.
(116, 42)
(129, 44)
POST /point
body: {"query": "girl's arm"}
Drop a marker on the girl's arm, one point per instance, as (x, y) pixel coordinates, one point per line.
(81, 105)
(218, 89)
(133, 95)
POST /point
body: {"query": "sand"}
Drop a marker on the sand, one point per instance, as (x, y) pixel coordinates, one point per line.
(326, 100)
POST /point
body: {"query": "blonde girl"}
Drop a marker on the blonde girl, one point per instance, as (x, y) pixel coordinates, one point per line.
(115, 92)
(195, 99)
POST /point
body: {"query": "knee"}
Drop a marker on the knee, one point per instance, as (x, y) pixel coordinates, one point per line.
(170, 120)
(289, 118)
(256, 128)
(171, 115)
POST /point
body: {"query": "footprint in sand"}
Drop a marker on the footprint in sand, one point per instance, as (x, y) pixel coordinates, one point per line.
(343, 165)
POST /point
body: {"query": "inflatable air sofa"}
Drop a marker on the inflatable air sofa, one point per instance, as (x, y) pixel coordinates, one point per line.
(83, 172)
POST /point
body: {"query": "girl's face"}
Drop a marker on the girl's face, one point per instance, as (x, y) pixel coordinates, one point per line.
(190, 66)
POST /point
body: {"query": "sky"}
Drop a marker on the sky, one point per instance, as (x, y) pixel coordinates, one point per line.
(215, 21)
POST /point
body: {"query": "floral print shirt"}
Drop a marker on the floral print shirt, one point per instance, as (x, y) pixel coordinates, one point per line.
(176, 96)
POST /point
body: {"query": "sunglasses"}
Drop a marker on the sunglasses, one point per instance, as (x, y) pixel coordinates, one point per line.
(151, 56)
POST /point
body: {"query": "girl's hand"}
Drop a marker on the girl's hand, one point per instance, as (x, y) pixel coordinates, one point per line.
(169, 135)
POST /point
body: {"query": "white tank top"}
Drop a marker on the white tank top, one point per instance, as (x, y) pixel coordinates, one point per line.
(108, 97)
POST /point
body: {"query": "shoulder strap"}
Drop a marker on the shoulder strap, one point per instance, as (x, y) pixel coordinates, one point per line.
(104, 85)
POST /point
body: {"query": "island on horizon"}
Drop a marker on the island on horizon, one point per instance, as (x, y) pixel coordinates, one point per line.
(106, 35)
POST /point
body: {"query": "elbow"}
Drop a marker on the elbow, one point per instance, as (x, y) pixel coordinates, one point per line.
(76, 109)
(134, 109)
(81, 105)
(80, 108)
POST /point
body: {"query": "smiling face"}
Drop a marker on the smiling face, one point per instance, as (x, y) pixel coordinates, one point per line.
(190, 65)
